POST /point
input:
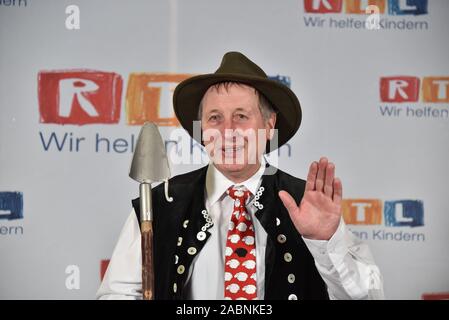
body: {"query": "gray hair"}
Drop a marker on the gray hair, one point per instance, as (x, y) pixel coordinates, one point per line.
(265, 106)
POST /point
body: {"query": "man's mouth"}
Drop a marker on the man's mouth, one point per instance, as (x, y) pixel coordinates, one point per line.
(230, 151)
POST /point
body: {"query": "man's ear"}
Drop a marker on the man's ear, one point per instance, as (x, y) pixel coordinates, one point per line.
(271, 122)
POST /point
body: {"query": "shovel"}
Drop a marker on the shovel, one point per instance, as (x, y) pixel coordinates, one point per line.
(149, 165)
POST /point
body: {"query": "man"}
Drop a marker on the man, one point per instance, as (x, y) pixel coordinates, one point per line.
(239, 228)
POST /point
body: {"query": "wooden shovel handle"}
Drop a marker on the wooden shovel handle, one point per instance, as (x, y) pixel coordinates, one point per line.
(147, 260)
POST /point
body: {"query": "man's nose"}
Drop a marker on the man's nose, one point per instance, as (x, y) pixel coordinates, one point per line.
(227, 131)
(228, 123)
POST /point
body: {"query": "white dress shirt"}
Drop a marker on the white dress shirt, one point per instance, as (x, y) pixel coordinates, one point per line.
(344, 262)
(206, 275)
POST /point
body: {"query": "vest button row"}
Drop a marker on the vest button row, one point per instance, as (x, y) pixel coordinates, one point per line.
(201, 235)
(282, 238)
(181, 269)
(291, 278)
(191, 251)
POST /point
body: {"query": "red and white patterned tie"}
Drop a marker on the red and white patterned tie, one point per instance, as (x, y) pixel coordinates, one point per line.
(240, 253)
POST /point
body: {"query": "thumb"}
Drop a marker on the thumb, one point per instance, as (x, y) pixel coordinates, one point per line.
(288, 201)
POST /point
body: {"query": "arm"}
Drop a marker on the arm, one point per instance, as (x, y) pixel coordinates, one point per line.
(343, 261)
(123, 278)
(346, 265)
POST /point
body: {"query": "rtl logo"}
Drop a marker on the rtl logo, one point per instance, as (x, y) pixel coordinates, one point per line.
(435, 296)
(11, 205)
(395, 7)
(103, 267)
(87, 96)
(408, 89)
(399, 213)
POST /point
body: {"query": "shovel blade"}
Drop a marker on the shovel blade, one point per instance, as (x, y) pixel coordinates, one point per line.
(149, 163)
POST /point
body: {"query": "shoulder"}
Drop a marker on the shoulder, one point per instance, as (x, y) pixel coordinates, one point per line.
(182, 180)
(293, 185)
(182, 188)
(287, 178)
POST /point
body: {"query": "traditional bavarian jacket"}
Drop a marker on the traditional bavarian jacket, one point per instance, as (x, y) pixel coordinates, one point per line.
(184, 224)
(189, 205)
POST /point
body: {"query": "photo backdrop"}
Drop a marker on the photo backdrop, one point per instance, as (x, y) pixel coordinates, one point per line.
(79, 78)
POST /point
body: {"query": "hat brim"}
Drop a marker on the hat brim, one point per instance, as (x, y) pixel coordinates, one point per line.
(188, 94)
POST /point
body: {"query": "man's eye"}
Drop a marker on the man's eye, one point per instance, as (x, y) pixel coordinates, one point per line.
(213, 118)
(241, 116)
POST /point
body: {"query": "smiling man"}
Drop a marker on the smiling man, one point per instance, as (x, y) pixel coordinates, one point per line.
(236, 122)
(240, 228)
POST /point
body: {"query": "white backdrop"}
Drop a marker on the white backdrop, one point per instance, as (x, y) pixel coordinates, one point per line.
(75, 201)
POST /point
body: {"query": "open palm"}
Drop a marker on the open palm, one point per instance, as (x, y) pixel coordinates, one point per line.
(319, 213)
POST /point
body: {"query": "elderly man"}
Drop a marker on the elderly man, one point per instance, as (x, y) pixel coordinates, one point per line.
(239, 228)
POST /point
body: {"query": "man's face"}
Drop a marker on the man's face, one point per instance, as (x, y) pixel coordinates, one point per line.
(234, 130)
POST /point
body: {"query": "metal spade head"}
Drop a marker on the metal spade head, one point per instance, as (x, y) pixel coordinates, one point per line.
(150, 163)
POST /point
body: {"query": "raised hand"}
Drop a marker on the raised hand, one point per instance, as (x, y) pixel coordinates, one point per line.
(318, 215)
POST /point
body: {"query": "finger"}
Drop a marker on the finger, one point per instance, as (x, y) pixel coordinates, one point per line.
(328, 182)
(338, 191)
(288, 201)
(319, 184)
(311, 177)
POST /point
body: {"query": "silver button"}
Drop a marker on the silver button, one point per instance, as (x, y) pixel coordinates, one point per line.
(185, 223)
(175, 287)
(191, 251)
(291, 278)
(179, 241)
(201, 235)
(292, 297)
(287, 257)
(176, 259)
(282, 238)
(278, 222)
(181, 269)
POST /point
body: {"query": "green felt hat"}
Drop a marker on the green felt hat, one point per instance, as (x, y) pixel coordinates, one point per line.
(236, 67)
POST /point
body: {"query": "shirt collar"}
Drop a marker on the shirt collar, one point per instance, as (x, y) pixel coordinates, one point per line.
(217, 183)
